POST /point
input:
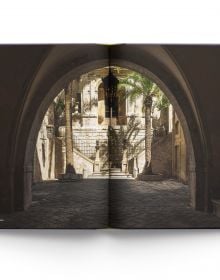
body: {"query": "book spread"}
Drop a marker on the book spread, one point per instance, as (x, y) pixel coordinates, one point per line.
(97, 136)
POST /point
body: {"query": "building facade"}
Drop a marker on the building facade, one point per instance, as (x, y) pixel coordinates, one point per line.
(95, 126)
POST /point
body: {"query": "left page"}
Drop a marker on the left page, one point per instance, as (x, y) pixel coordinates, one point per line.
(56, 161)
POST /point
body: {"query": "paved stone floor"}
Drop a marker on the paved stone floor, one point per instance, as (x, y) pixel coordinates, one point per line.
(134, 204)
(81, 204)
(165, 204)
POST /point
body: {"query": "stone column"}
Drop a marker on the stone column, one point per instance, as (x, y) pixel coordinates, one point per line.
(192, 176)
(135, 168)
(85, 173)
(76, 116)
(97, 159)
(68, 130)
(63, 150)
(124, 167)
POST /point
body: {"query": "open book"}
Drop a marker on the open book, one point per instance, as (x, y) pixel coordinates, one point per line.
(104, 139)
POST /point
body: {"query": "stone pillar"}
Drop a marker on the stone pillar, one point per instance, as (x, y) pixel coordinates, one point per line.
(135, 168)
(85, 173)
(68, 131)
(97, 159)
(28, 180)
(63, 149)
(76, 116)
(124, 167)
(192, 177)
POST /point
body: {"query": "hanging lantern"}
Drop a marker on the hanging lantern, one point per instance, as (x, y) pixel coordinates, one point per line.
(110, 85)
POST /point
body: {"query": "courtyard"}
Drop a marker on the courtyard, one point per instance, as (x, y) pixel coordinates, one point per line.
(125, 203)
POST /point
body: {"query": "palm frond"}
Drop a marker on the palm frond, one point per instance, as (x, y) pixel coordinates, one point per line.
(136, 85)
(162, 102)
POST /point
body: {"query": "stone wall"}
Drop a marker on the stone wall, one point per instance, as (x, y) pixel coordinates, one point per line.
(37, 175)
(82, 164)
(44, 158)
(161, 156)
(180, 157)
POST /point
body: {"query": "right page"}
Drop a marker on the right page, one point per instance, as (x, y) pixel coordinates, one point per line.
(155, 180)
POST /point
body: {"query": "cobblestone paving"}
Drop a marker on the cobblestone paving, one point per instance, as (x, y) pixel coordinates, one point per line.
(134, 204)
(165, 204)
(81, 204)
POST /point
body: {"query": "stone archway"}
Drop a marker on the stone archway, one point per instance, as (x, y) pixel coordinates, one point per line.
(168, 82)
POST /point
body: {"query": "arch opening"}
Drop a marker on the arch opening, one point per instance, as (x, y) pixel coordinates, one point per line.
(57, 87)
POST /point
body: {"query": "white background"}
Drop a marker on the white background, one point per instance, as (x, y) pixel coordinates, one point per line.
(109, 254)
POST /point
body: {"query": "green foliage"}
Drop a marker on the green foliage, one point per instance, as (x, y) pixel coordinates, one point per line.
(161, 102)
(136, 85)
(124, 135)
(59, 105)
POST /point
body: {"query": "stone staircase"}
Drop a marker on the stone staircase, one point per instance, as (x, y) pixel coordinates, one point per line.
(112, 173)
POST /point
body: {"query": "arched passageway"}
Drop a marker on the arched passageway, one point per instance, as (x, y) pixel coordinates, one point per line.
(63, 63)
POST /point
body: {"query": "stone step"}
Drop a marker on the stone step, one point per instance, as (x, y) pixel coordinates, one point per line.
(115, 170)
(111, 177)
(116, 174)
(68, 177)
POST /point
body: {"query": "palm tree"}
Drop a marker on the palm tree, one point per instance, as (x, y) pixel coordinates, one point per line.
(118, 139)
(137, 85)
(59, 108)
(68, 130)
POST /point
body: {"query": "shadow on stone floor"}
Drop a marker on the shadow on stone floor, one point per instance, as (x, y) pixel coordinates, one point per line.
(155, 205)
(133, 204)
